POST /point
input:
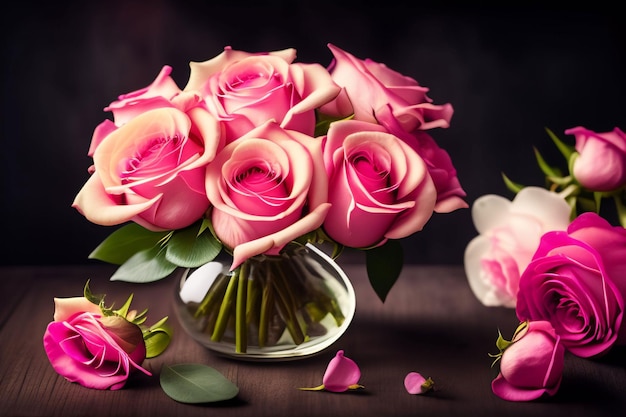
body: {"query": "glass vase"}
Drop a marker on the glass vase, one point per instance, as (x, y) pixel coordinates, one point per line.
(282, 307)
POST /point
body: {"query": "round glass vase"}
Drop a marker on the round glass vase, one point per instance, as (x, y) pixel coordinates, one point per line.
(283, 307)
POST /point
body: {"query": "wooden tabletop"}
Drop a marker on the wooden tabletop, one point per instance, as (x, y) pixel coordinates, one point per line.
(430, 323)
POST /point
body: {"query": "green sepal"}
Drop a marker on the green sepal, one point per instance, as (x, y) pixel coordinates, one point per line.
(549, 171)
(195, 384)
(620, 207)
(512, 186)
(157, 337)
(145, 266)
(192, 247)
(324, 121)
(318, 388)
(384, 264)
(565, 149)
(126, 241)
(93, 298)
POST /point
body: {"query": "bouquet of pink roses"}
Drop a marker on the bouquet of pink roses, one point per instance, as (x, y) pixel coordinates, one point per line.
(258, 151)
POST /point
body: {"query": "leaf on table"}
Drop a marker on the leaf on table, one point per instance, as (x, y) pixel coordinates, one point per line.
(194, 383)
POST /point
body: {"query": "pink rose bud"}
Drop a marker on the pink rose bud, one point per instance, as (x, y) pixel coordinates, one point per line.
(532, 366)
(601, 163)
(95, 351)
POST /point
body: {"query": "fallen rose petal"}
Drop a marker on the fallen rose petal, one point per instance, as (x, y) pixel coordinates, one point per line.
(415, 383)
(341, 374)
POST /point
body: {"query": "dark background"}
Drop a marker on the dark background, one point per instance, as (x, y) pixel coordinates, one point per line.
(508, 72)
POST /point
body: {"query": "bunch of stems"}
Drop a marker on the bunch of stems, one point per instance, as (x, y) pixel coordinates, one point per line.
(256, 302)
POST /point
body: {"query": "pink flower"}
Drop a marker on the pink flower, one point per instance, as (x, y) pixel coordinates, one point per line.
(341, 374)
(509, 234)
(163, 92)
(601, 163)
(379, 186)
(369, 86)
(248, 89)
(577, 282)
(532, 366)
(95, 351)
(450, 194)
(267, 188)
(151, 170)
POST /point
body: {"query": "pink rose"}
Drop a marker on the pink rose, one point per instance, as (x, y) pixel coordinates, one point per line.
(509, 234)
(163, 92)
(267, 188)
(93, 350)
(379, 186)
(450, 194)
(601, 163)
(577, 281)
(151, 170)
(247, 89)
(532, 366)
(368, 86)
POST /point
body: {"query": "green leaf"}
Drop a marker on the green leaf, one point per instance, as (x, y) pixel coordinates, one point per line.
(384, 264)
(157, 338)
(189, 248)
(194, 384)
(126, 241)
(145, 266)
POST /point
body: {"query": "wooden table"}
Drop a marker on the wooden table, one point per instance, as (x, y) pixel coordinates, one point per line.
(430, 323)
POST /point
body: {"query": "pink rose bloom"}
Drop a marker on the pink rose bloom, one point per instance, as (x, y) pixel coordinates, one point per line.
(368, 86)
(577, 282)
(379, 186)
(509, 234)
(450, 194)
(247, 89)
(601, 163)
(95, 351)
(532, 366)
(151, 170)
(341, 374)
(163, 92)
(267, 188)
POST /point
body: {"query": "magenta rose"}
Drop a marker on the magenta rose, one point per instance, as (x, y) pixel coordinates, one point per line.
(245, 90)
(267, 188)
(577, 281)
(151, 170)
(93, 350)
(601, 161)
(368, 86)
(532, 366)
(379, 188)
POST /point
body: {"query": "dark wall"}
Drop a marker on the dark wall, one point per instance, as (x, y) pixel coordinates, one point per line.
(509, 72)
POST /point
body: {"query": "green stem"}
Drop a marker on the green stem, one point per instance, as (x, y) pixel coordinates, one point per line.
(267, 307)
(287, 304)
(241, 329)
(226, 307)
(216, 292)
